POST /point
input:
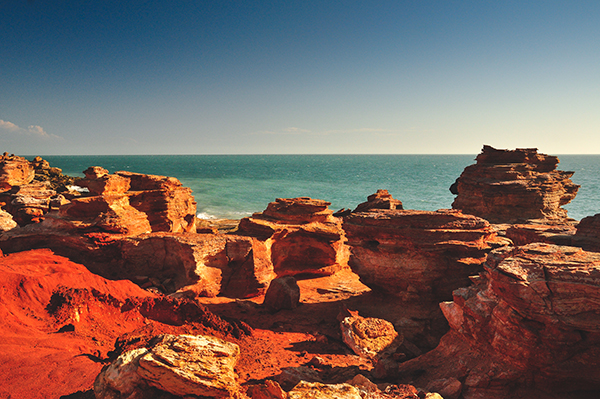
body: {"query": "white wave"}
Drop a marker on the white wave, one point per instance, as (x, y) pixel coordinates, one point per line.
(79, 189)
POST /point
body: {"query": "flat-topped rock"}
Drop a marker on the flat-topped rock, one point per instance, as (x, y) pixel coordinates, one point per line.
(417, 255)
(509, 186)
(297, 210)
(382, 199)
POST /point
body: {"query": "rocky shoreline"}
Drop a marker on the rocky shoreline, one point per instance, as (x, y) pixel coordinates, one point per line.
(112, 288)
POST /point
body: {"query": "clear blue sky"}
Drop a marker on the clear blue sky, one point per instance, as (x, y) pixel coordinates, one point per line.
(254, 77)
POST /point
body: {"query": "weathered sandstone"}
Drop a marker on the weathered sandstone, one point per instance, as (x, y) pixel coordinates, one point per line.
(168, 205)
(530, 324)
(283, 293)
(508, 186)
(14, 171)
(178, 364)
(418, 255)
(370, 337)
(587, 235)
(300, 236)
(196, 264)
(382, 199)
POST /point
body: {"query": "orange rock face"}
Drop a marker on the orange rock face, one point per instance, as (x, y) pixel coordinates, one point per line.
(417, 255)
(169, 206)
(531, 322)
(15, 171)
(300, 236)
(509, 186)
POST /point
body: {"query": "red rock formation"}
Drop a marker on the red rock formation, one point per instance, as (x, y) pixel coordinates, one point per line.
(14, 171)
(382, 199)
(169, 206)
(587, 235)
(417, 255)
(531, 323)
(508, 186)
(99, 182)
(197, 264)
(523, 234)
(300, 236)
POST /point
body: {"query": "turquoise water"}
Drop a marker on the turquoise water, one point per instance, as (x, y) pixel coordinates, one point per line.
(234, 186)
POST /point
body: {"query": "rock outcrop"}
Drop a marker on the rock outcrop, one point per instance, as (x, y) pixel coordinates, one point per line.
(168, 205)
(418, 255)
(587, 233)
(283, 293)
(14, 171)
(382, 199)
(532, 322)
(181, 365)
(509, 186)
(300, 236)
(195, 264)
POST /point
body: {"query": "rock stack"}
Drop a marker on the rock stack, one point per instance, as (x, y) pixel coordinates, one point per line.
(300, 236)
(513, 186)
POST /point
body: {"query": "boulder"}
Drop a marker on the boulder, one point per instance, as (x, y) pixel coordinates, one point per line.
(418, 255)
(587, 233)
(382, 199)
(531, 322)
(300, 236)
(317, 390)
(178, 364)
(6, 221)
(370, 337)
(99, 183)
(511, 186)
(283, 293)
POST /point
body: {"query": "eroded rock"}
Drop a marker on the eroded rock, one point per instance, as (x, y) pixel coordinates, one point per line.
(283, 293)
(177, 364)
(370, 337)
(300, 236)
(417, 255)
(509, 186)
(532, 322)
(382, 199)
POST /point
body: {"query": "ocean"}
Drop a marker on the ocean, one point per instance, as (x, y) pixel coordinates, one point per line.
(235, 186)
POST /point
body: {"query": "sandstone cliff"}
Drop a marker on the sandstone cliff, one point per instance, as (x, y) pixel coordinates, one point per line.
(530, 324)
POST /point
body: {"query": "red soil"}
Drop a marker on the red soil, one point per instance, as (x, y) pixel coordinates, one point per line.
(61, 324)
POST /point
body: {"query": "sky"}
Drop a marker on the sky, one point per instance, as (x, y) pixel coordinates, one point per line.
(83, 77)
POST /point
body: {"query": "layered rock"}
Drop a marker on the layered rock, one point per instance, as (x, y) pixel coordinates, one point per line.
(531, 322)
(197, 264)
(417, 255)
(382, 199)
(178, 364)
(46, 173)
(300, 236)
(508, 186)
(168, 205)
(587, 233)
(14, 171)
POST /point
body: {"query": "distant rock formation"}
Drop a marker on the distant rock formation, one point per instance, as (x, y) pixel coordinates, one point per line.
(300, 236)
(28, 190)
(511, 186)
(382, 199)
(532, 321)
(417, 255)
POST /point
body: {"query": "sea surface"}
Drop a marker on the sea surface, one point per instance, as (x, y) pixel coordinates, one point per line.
(235, 186)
